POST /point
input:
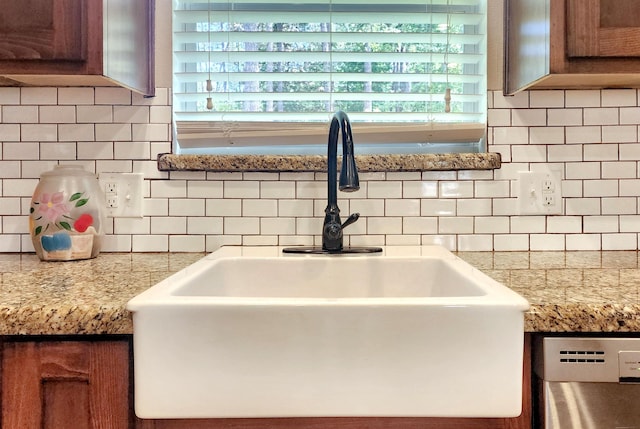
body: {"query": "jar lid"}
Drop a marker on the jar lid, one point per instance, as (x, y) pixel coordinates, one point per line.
(66, 170)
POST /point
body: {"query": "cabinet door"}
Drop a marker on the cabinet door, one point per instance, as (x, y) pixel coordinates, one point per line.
(42, 30)
(603, 28)
(65, 384)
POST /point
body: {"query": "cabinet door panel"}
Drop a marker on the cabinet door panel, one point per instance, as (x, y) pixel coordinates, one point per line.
(42, 30)
(65, 384)
(603, 28)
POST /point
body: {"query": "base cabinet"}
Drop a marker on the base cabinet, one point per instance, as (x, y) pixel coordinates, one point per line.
(86, 383)
(65, 384)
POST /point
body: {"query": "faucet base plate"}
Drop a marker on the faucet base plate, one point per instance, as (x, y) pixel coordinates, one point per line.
(316, 250)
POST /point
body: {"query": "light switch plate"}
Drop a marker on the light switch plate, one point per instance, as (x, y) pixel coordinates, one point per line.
(539, 193)
(123, 193)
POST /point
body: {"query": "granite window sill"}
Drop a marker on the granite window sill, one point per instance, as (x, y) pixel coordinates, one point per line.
(317, 163)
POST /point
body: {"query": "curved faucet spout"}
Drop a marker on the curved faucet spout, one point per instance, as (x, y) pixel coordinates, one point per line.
(349, 182)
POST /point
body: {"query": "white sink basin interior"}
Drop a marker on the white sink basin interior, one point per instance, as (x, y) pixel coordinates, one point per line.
(252, 332)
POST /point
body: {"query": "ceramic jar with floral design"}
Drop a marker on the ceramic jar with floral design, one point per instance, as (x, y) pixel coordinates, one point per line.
(67, 215)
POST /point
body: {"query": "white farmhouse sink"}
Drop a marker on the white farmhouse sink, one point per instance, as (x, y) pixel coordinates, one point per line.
(251, 332)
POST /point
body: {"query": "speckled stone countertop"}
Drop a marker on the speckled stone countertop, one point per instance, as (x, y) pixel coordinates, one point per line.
(318, 163)
(568, 291)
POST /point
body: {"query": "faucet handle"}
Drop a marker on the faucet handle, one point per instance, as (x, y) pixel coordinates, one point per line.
(351, 219)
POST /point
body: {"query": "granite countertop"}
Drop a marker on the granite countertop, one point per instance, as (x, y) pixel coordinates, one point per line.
(568, 291)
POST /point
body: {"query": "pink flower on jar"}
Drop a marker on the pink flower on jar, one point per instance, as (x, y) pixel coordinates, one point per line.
(52, 206)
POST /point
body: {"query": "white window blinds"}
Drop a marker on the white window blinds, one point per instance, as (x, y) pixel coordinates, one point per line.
(256, 72)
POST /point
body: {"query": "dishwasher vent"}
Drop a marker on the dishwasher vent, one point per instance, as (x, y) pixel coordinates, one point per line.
(582, 356)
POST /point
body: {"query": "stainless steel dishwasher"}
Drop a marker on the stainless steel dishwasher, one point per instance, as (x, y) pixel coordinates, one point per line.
(587, 383)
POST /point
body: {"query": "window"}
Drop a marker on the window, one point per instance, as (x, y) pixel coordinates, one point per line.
(261, 76)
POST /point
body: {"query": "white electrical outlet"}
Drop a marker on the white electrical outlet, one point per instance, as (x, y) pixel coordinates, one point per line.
(123, 193)
(539, 193)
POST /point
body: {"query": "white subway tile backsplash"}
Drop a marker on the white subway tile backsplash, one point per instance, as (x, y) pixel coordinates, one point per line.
(437, 208)
(619, 205)
(93, 114)
(186, 243)
(278, 189)
(168, 225)
(582, 98)
(619, 170)
(186, 207)
(150, 243)
(205, 225)
(510, 242)
(20, 114)
(591, 136)
(528, 224)
(564, 224)
(619, 97)
(601, 116)
(383, 225)
(57, 114)
(546, 98)
(278, 226)
(20, 151)
(242, 225)
(547, 242)
(619, 241)
(600, 152)
(474, 207)
(384, 189)
(112, 96)
(131, 114)
(40, 133)
(401, 207)
(564, 153)
(223, 207)
(620, 134)
(517, 101)
(564, 117)
(76, 132)
(529, 153)
(420, 189)
(459, 189)
(150, 132)
(76, 96)
(58, 151)
(582, 206)
(420, 225)
(9, 96)
(455, 225)
(492, 225)
(582, 170)
(254, 207)
(475, 242)
(583, 242)
(600, 224)
(600, 188)
(303, 208)
(630, 115)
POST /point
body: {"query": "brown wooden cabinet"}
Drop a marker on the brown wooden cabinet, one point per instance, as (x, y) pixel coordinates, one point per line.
(78, 43)
(53, 384)
(86, 383)
(571, 44)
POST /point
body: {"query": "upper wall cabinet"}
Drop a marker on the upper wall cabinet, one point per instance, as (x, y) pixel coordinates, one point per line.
(78, 43)
(571, 44)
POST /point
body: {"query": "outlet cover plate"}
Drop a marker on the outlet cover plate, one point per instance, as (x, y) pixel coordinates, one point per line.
(123, 193)
(539, 193)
